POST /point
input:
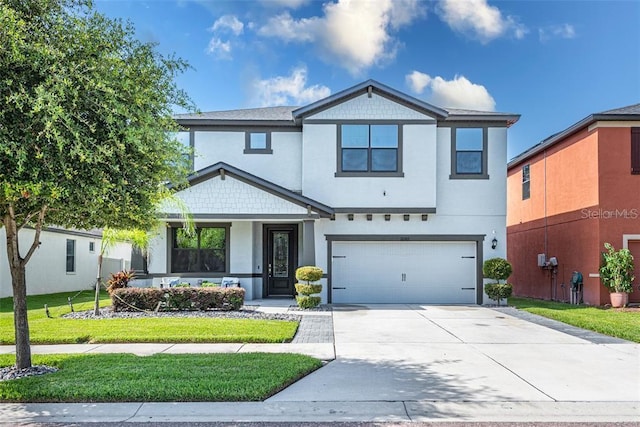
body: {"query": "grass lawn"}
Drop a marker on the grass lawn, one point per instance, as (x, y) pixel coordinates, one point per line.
(57, 330)
(612, 322)
(159, 378)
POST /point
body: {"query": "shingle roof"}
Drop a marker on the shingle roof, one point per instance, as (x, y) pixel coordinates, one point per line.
(292, 116)
(249, 114)
(629, 109)
(630, 112)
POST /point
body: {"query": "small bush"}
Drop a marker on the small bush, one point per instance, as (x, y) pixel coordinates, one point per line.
(309, 274)
(119, 280)
(183, 285)
(182, 299)
(498, 291)
(497, 269)
(306, 301)
(207, 284)
(308, 289)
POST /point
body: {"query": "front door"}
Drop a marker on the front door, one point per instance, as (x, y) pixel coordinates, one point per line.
(281, 258)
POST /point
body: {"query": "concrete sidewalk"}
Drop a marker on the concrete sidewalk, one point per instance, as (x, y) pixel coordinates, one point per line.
(406, 363)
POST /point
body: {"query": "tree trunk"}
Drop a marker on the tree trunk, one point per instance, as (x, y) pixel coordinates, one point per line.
(19, 284)
(96, 302)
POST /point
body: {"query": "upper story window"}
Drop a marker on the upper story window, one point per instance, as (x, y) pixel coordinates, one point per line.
(635, 151)
(184, 138)
(369, 149)
(257, 143)
(469, 153)
(206, 250)
(526, 182)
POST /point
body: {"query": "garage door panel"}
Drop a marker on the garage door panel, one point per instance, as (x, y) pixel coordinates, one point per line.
(404, 272)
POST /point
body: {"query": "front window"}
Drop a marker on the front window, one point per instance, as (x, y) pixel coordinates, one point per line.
(469, 153)
(71, 256)
(369, 148)
(258, 143)
(204, 250)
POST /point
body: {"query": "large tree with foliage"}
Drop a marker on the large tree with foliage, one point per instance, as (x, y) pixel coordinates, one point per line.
(83, 128)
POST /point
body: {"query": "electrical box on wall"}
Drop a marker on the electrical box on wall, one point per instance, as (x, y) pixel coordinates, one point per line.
(542, 260)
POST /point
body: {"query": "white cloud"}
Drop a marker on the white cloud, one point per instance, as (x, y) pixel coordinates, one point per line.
(290, 4)
(456, 93)
(478, 19)
(354, 34)
(563, 31)
(219, 48)
(228, 23)
(417, 81)
(287, 90)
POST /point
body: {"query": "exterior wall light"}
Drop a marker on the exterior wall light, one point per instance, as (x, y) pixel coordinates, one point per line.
(494, 243)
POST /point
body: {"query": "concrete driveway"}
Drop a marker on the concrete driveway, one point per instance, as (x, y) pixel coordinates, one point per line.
(413, 354)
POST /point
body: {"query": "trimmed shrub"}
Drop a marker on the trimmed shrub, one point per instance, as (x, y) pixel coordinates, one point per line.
(307, 301)
(305, 290)
(308, 289)
(498, 291)
(119, 280)
(497, 269)
(130, 299)
(207, 284)
(309, 274)
(215, 298)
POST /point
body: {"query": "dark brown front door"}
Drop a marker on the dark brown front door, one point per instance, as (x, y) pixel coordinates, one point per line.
(281, 258)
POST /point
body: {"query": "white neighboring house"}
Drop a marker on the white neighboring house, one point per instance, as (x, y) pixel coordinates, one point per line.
(67, 260)
(397, 200)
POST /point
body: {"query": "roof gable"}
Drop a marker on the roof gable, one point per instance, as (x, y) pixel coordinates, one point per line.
(223, 170)
(369, 87)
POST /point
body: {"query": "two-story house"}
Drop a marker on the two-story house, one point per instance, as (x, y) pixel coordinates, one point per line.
(397, 200)
(569, 195)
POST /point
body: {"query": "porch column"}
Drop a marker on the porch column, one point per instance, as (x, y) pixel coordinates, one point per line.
(308, 243)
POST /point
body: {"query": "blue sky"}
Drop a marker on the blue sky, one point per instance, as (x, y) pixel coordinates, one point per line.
(553, 62)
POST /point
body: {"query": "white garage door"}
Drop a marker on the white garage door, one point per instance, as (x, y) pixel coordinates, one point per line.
(404, 272)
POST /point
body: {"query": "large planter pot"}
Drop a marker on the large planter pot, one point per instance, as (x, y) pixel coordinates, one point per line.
(619, 299)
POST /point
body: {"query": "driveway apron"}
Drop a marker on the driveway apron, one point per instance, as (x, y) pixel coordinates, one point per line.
(463, 354)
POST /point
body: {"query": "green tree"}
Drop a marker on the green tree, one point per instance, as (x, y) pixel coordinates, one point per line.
(84, 142)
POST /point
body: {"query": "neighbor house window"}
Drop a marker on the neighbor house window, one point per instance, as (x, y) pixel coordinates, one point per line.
(204, 250)
(469, 152)
(526, 182)
(71, 256)
(635, 151)
(258, 143)
(92, 247)
(369, 149)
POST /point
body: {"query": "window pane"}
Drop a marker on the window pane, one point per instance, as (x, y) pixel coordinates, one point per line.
(469, 139)
(184, 240)
(356, 136)
(385, 159)
(212, 238)
(258, 141)
(184, 260)
(525, 173)
(469, 162)
(212, 260)
(354, 159)
(71, 256)
(384, 136)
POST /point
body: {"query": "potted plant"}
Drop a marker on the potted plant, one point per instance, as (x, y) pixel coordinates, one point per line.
(616, 274)
(497, 269)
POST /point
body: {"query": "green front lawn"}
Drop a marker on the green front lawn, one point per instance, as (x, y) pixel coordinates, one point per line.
(157, 378)
(612, 322)
(58, 330)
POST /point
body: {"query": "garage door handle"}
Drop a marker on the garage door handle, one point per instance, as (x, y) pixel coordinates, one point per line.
(471, 257)
(339, 256)
(338, 288)
(468, 289)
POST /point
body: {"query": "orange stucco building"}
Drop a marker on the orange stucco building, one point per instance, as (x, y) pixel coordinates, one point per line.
(569, 195)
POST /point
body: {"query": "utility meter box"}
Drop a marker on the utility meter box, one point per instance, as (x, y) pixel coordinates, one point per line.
(542, 260)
